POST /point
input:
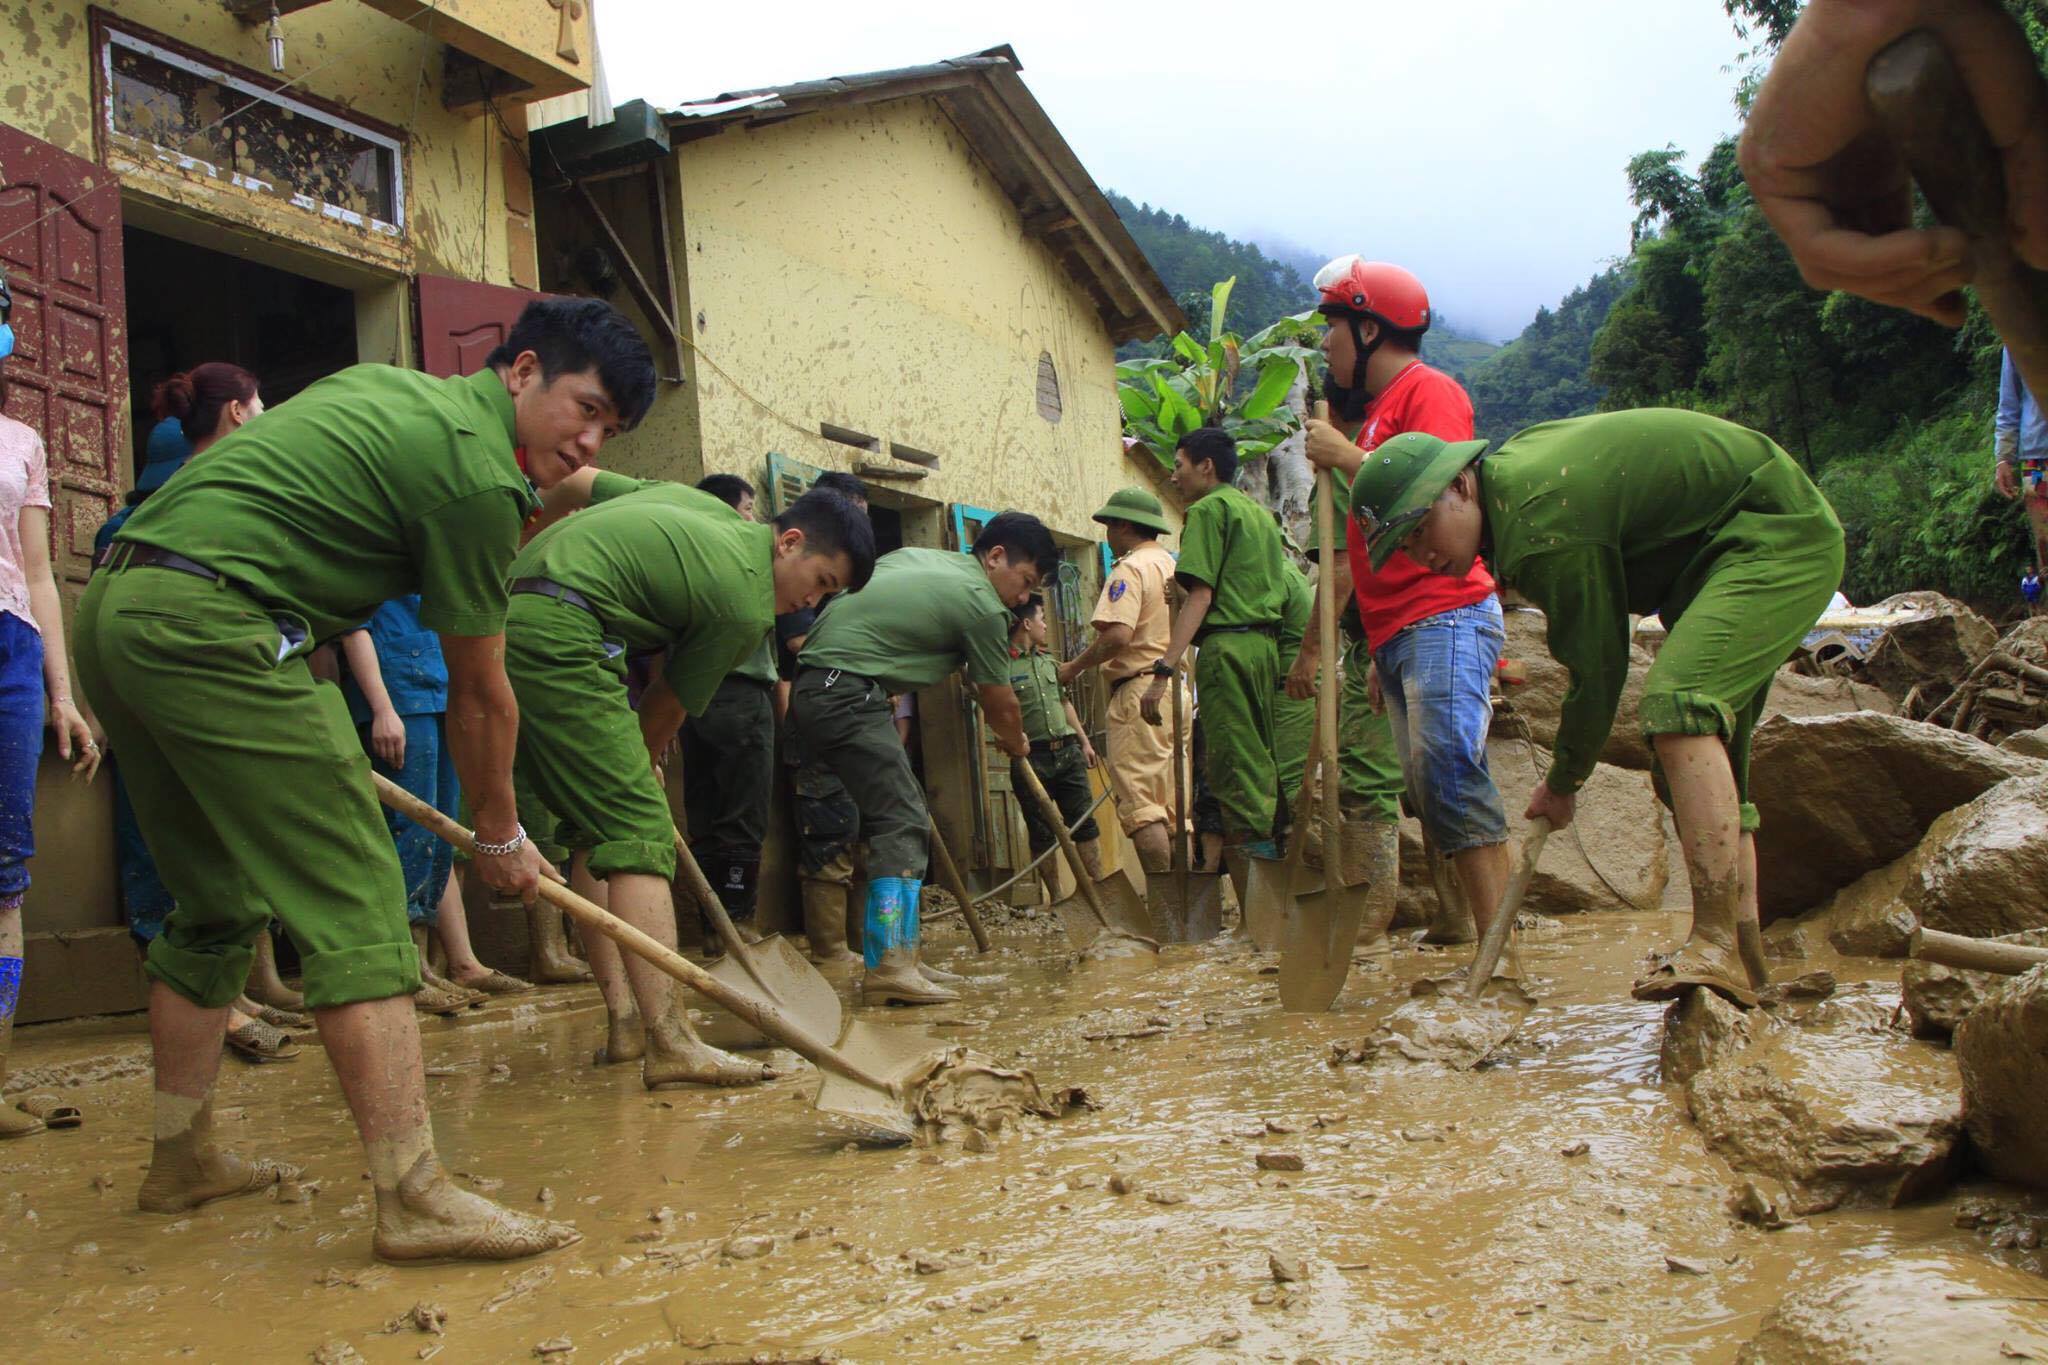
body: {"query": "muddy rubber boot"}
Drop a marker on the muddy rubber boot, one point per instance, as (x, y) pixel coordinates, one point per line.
(1453, 921)
(1749, 946)
(188, 1170)
(13, 1122)
(825, 923)
(550, 963)
(677, 1056)
(890, 931)
(1709, 956)
(265, 986)
(1370, 856)
(1237, 867)
(895, 980)
(1091, 858)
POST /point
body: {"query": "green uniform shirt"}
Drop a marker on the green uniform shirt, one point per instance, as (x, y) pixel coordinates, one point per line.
(760, 665)
(1593, 518)
(666, 567)
(922, 615)
(1232, 544)
(1297, 606)
(372, 484)
(1035, 678)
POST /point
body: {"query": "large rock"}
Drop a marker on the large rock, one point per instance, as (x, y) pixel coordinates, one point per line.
(1944, 1306)
(1842, 795)
(1613, 856)
(1938, 647)
(1841, 1107)
(1939, 998)
(2029, 743)
(1702, 1030)
(1984, 865)
(1866, 918)
(2002, 1049)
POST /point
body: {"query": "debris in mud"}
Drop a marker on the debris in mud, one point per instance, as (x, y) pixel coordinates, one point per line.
(1422, 1132)
(1686, 1265)
(1761, 1202)
(1438, 1024)
(525, 1282)
(1165, 1197)
(337, 1353)
(1286, 1268)
(1121, 1184)
(1109, 1024)
(369, 1277)
(963, 1090)
(1578, 1148)
(103, 1182)
(297, 1191)
(430, 1318)
(748, 1248)
(930, 1263)
(1807, 986)
(1907, 1307)
(553, 1346)
(1279, 1161)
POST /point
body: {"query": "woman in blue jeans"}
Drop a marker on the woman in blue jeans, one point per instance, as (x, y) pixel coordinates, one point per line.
(1435, 680)
(35, 690)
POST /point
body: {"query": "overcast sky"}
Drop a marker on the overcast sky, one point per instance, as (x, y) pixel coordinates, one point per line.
(1481, 143)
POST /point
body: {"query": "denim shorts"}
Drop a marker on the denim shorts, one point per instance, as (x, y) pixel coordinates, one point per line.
(1436, 676)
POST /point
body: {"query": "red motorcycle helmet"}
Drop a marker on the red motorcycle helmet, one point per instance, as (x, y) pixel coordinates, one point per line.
(1385, 293)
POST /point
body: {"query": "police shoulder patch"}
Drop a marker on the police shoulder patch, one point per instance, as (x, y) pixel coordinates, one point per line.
(1117, 588)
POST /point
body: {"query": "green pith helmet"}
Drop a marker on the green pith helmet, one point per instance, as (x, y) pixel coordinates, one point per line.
(1137, 507)
(1395, 486)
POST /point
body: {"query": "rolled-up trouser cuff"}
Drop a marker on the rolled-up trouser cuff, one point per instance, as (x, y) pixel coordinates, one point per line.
(1684, 712)
(648, 856)
(1752, 820)
(211, 979)
(346, 976)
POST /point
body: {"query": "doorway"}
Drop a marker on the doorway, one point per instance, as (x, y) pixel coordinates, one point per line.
(188, 305)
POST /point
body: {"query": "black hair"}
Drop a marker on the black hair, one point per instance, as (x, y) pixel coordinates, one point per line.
(1033, 605)
(832, 524)
(1215, 445)
(727, 488)
(573, 335)
(1403, 338)
(1020, 536)
(845, 485)
(1141, 532)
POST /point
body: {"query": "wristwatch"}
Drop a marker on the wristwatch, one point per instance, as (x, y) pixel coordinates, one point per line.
(1162, 669)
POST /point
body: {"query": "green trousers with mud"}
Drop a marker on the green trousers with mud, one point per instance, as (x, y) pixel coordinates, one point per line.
(1236, 677)
(728, 782)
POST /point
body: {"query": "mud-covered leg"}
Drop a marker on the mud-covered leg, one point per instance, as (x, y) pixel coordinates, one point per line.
(1705, 807)
(675, 1054)
(625, 1038)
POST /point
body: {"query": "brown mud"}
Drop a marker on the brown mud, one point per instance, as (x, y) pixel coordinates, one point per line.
(1556, 1203)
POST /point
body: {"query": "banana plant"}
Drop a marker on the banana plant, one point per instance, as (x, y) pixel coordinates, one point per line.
(1239, 384)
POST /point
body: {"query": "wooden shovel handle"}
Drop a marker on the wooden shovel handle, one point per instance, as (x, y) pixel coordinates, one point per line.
(699, 886)
(766, 1018)
(1974, 954)
(1050, 813)
(1920, 100)
(1326, 631)
(1510, 906)
(950, 878)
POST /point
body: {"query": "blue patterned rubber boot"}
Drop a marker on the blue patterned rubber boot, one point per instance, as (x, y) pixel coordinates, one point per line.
(890, 920)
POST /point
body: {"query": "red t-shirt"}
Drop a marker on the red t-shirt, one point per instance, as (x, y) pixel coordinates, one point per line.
(1402, 593)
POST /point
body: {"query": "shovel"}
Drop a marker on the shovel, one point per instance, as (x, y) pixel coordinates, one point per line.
(1087, 920)
(950, 878)
(1320, 929)
(1271, 884)
(1460, 1023)
(772, 970)
(1187, 906)
(1923, 106)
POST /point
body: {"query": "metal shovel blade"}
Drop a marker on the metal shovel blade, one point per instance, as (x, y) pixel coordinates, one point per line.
(1269, 894)
(1205, 906)
(1319, 929)
(775, 973)
(1124, 904)
(888, 1054)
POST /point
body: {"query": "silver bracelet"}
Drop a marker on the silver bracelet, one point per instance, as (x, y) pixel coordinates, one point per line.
(510, 846)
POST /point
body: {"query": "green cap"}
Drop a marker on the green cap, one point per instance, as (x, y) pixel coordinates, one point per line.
(1399, 480)
(1137, 507)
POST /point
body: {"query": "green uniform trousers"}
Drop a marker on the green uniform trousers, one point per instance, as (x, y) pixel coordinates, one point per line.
(729, 769)
(1235, 677)
(250, 785)
(1724, 644)
(1064, 775)
(580, 750)
(847, 723)
(1366, 756)
(1294, 727)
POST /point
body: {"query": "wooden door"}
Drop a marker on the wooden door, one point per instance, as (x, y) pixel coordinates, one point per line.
(463, 321)
(60, 244)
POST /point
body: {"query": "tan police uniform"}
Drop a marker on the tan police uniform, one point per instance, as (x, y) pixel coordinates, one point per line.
(1140, 757)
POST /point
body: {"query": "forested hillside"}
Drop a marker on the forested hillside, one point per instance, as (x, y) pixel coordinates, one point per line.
(1191, 259)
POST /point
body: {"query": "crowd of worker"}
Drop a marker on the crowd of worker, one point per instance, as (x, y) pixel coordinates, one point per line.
(524, 642)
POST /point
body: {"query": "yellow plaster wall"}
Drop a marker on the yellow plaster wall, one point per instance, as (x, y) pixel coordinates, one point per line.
(348, 54)
(862, 268)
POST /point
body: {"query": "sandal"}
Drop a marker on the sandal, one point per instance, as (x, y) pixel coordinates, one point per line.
(53, 1112)
(1671, 975)
(273, 1016)
(259, 1042)
(496, 983)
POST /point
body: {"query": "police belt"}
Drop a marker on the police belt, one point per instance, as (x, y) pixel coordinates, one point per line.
(1271, 628)
(128, 554)
(562, 592)
(1053, 746)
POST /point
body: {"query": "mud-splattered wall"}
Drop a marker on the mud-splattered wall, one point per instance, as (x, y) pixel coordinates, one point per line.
(862, 269)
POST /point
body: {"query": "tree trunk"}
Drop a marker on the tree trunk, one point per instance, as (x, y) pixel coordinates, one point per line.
(1282, 480)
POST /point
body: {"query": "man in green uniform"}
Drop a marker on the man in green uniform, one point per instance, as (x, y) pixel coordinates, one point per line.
(651, 567)
(729, 763)
(1706, 523)
(245, 773)
(1294, 718)
(1231, 565)
(926, 613)
(1060, 752)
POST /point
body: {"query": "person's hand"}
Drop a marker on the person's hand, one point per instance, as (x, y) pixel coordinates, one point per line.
(517, 873)
(1373, 696)
(1087, 752)
(1837, 191)
(2007, 479)
(1301, 678)
(387, 739)
(1148, 705)
(1546, 804)
(1329, 448)
(1069, 671)
(75, 743)
(1016, 746)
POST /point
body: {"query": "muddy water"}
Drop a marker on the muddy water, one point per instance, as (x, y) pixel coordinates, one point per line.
(1436, 1214)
